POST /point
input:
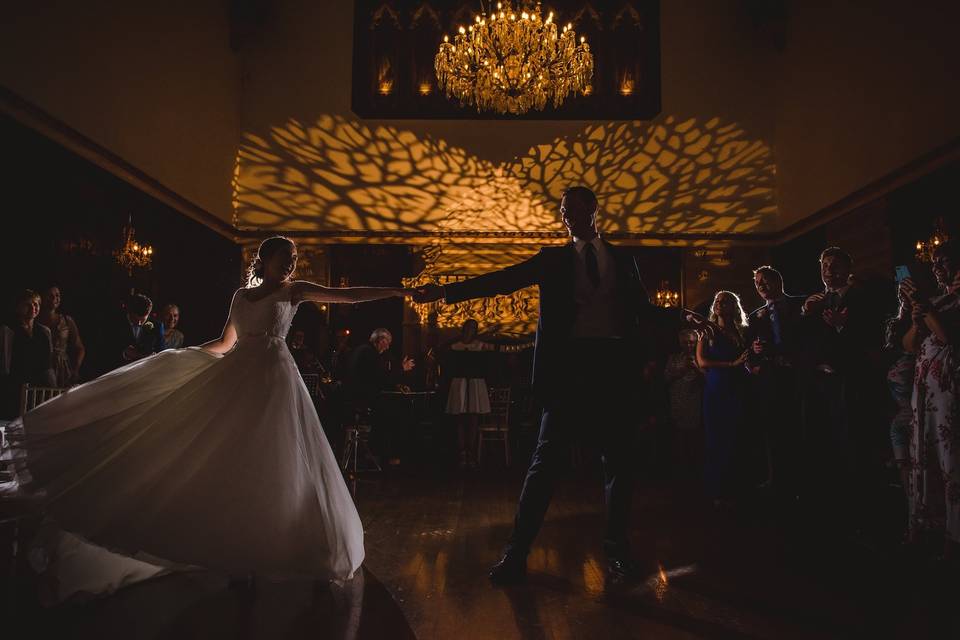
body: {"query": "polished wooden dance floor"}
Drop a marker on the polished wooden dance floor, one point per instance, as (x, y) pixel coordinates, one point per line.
(432, 535)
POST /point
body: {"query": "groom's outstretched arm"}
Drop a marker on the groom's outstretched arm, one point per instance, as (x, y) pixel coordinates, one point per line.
(502, 282)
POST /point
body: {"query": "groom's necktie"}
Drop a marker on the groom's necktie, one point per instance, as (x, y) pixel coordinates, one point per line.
(775, 323)
(593, 267)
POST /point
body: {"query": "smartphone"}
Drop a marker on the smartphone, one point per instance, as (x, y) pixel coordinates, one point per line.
(901, 273)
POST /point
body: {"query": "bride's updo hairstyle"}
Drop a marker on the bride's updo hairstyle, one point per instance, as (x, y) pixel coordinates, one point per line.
(268, 248)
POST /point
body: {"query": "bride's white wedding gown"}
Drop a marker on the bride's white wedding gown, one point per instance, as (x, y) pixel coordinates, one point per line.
(198, 459)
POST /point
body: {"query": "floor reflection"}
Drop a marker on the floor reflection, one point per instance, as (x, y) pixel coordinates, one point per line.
(201, 605)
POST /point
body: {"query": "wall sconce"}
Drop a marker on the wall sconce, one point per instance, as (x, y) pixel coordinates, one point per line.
(626, 84)
(384, 79)
(131, 254)
(666, 297)
(925, 248)
(424, 88)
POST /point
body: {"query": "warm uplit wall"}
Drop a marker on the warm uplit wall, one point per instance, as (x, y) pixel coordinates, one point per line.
(865, 88)
(154, 83)
(704, 165)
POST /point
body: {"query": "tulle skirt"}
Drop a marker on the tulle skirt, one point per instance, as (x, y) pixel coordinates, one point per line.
(203, 460)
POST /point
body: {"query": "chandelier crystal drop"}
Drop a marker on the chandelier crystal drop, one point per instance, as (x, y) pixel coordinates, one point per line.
(513, 61)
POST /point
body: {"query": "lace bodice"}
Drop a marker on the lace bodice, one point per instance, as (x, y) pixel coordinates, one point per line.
(270, 316)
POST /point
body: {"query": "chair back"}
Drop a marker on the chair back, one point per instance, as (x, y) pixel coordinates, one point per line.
(312, 382)
(499, 416)
(32, 397)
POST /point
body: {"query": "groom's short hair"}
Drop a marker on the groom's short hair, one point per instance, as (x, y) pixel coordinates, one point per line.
(583, 194)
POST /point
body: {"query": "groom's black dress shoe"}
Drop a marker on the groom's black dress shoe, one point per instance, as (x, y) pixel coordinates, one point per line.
(622, 571)
(511, 569)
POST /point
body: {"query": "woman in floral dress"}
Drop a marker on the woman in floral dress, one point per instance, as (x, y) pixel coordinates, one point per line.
(935, 432)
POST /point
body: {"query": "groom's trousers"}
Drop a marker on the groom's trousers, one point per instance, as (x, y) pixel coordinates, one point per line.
(592, 400)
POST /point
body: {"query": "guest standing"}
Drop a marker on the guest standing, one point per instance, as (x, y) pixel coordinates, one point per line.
(170, 316)
(132, 336)
(935, 429)
(721, 352)
(68, 349)
(468, 398)
(841, 412)
(25, 353)
(775, 347)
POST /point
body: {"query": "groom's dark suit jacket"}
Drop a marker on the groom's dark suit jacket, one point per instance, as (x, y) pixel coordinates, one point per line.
(553, 271)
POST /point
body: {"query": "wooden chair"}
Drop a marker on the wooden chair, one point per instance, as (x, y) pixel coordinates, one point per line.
(495, 426)
(32, 396)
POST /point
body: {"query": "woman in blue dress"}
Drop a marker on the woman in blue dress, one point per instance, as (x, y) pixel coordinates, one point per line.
(721, 353)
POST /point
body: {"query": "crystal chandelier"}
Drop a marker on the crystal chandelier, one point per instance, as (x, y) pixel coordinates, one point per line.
(512, 62)
(131, 253)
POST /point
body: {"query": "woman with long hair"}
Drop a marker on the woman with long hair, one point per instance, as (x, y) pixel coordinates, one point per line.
(68, 349)
(934, 336)
(721, 353)
(209, 456)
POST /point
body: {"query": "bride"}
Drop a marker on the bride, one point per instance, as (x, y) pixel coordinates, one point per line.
(209, 456)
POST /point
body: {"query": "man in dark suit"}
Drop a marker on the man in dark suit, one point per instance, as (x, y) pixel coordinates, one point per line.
(775, 336)
(841, 399)
(595, 330)
(132, 335)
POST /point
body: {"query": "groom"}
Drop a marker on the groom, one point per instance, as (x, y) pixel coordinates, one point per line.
(596, 325)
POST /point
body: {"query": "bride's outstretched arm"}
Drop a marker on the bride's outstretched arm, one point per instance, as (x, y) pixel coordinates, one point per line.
(226, 340)
(303, 290)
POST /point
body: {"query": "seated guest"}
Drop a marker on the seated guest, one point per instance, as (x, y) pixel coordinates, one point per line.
(721, 352)
(25, 353)
(369, 371)
(934, 336)
(774, 337)
(307, 361)
(468, 398)
(132, 336)
(68, 349)
(685, 389)
(170, 316)
(841, 412)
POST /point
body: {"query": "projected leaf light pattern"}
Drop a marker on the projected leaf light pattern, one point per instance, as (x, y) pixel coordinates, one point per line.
(670, 177)
(666, 177)
(511, 315)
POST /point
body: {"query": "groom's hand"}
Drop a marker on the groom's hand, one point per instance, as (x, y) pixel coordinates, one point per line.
(428, 293)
